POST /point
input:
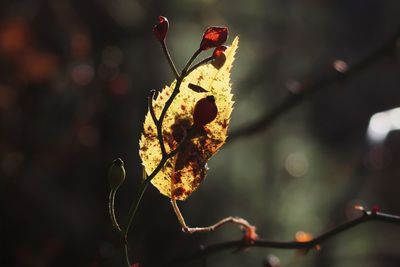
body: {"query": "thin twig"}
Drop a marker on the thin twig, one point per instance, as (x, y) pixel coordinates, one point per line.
(309, 88)
(156, 122)
(170, 100)
(139, 194)
(198, 64)
(169, 59)
(212, 249)
(189, 63)
(165, 156)
(111, 210)
(126, 250)
(151, 108)
(191, 230)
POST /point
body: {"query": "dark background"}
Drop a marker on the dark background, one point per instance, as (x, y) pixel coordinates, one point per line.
(74, 78)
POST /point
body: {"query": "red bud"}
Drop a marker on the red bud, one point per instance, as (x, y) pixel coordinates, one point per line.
(219, 51)
(160, 30)
(219, 56)
(375, 208)
(205, 111)
(250, 235)
(213, 37)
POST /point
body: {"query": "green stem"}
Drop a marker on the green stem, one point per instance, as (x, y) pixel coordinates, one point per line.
(111, 210)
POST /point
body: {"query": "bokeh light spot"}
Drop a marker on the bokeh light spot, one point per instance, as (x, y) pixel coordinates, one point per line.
(340, 66)
(112, 56)
(88, 135)
(382, 123)
(296, 164)
(82, 74)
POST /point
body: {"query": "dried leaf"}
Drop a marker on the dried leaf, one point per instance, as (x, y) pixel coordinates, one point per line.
(183, 173)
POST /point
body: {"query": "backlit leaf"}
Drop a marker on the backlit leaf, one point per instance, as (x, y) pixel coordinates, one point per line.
(183, 173)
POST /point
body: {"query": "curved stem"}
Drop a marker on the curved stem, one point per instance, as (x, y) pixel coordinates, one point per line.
(143, 187)
(111, 210)
(169, 59)
(198, 64)
(163, 113)
(151, 108)
(178, 213)
(138, 197)
(250, 230)
(189, 63)
(126, 250)
(165, 156)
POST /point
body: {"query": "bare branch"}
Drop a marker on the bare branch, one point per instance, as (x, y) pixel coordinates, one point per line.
(250, 230)
(228, 245)
(309, 88)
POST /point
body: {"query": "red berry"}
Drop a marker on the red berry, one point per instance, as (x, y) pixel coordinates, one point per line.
(205, 111)
(375, 208)
(160, 30)
(219, 51)
(219, 56)
(213, 37)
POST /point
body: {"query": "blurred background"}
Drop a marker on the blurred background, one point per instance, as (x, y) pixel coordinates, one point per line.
(74, 78)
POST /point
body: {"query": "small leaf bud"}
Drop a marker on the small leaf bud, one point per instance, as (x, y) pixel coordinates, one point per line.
(160, 30)
(219, 56)
(213, 37)
(116, 174)
(219, 51)
(375, 209)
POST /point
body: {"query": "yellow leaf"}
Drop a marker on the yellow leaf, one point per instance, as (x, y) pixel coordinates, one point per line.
(183, 173)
